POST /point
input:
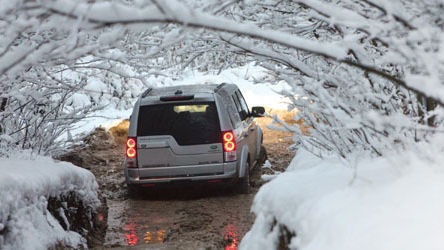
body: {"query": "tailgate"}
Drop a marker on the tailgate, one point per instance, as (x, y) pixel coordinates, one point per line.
(164, 151)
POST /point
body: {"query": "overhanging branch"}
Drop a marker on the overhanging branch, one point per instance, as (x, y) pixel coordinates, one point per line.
(196, 19)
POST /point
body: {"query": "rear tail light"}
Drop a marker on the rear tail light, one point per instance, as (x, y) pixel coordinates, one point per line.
(131, 152)
(229, 144)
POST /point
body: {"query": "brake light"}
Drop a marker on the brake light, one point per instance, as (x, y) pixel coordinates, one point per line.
(176, 98)
(229, 146)
(131, 149)
(229, 143)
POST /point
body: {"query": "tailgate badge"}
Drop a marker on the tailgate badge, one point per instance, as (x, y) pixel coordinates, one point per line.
(213, 147)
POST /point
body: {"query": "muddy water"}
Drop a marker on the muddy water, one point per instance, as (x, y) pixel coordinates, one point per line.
(206, 217)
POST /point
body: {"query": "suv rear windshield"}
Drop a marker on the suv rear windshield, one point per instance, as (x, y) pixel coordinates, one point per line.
(189, 123)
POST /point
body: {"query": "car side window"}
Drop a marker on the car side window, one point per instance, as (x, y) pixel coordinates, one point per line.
(242, 109)
(232, 111)
(242, 101)
(236, 102)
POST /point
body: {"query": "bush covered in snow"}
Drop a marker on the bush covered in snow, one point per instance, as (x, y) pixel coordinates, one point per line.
(44, 203)
(369, 72)
(388, 203)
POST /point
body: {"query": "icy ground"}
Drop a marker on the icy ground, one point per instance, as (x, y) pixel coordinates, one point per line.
(26, 183)
(394, 202)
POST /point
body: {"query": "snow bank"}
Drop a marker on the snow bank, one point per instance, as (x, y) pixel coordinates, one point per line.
(25, 185)
(389, 203)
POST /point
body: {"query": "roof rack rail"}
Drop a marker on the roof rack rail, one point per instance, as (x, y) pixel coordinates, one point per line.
(220, 86)
(146, 92)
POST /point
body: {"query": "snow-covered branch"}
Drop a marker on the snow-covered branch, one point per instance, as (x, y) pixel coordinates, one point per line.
(352, 61)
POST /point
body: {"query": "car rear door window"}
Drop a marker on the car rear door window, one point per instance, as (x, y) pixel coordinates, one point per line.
(189, 123)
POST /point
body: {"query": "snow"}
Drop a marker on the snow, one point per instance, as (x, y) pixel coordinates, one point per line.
(174, 11)
(393, 202)
(107, 118)
(256, 94)
(26, 183)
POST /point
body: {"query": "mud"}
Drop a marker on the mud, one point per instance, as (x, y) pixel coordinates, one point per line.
(198, 217)
(210, 220)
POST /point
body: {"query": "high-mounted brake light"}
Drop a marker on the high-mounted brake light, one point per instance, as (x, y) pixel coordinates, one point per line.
(131, 149)
(176, 98)
(229, 144)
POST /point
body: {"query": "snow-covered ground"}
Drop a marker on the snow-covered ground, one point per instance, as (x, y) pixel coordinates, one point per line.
(394, 202)
(26, 183)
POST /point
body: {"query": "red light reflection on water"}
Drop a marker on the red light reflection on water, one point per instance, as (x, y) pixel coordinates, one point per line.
(149, 238)
(100, 217)
(155, 236)
(231, 238)
(131, 237)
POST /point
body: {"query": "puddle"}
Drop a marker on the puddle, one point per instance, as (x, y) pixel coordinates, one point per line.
(149, 237)
(155, 237)
(131, 236)
(231, 238)
(217, 222)
(139, 233)
(132, 223)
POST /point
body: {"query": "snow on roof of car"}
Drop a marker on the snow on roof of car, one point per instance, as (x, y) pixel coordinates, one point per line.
(185, 89)
(192, 88)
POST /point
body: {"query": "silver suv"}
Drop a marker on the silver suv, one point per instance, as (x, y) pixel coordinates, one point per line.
(192, 133)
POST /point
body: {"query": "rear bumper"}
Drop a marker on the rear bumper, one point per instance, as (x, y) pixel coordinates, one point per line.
(135, 176)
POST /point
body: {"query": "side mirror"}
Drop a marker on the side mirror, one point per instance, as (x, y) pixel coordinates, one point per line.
(257, 111)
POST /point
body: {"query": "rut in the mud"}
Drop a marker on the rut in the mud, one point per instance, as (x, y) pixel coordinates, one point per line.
(210, 216)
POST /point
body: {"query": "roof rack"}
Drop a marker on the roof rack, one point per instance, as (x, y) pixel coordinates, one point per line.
(220, 86)
(146, 92)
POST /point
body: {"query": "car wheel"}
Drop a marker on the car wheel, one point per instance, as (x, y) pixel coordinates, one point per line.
(244, 184)
(263, 155)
